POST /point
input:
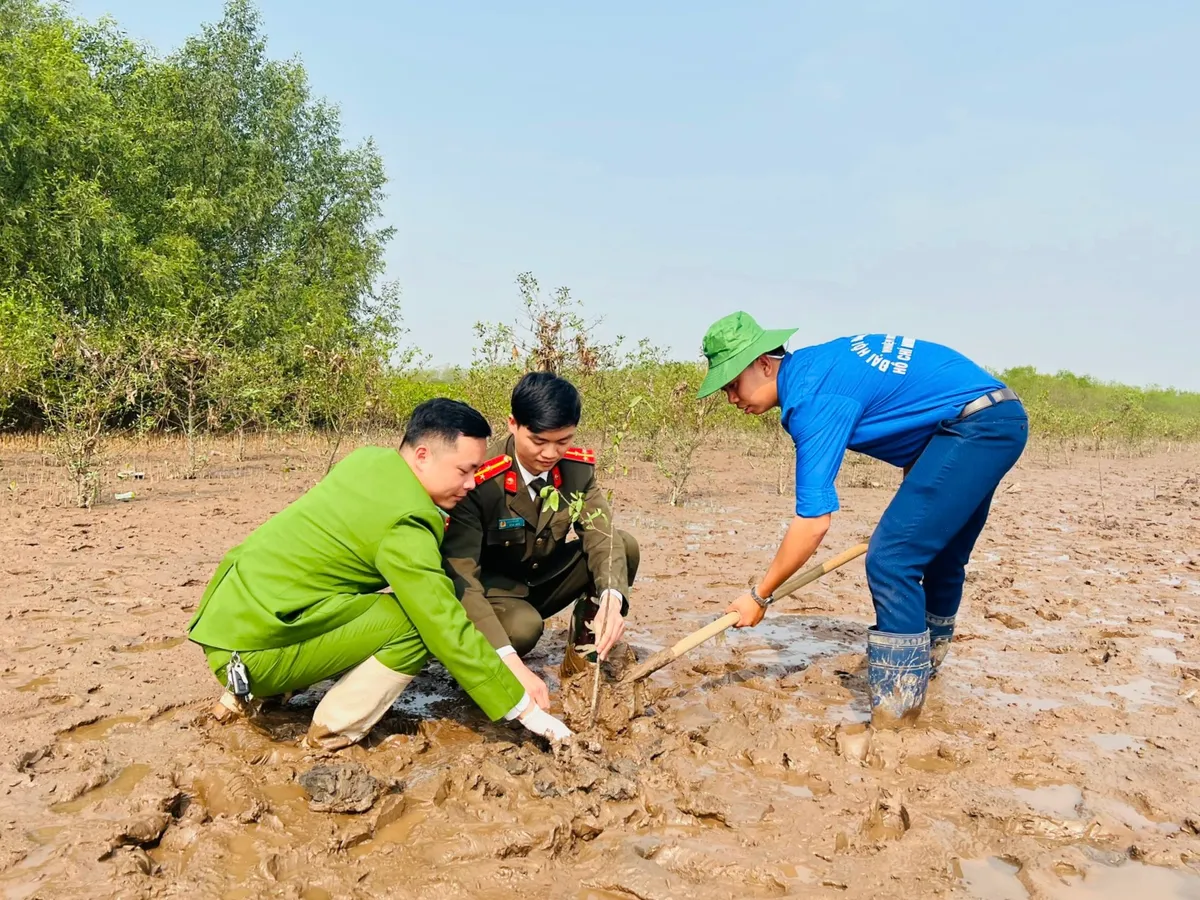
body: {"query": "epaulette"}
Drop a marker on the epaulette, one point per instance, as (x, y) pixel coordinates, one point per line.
(580, 455)
(493, 467)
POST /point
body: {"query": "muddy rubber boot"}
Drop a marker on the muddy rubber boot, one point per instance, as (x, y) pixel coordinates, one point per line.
(941, 633)
(897, 676)
(581, 643)
(352, 706)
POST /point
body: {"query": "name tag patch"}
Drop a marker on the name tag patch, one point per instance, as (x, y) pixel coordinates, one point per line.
(509, 524)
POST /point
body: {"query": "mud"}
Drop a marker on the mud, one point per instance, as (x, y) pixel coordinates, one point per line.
(1055, 758)
(616, 703)
(341, 789)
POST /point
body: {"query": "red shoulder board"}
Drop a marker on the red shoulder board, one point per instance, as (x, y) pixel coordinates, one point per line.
(510, 481)
(580, 455)
(492, 468)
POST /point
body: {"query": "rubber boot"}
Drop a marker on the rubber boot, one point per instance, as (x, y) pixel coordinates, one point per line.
(581, 643)
(352, 706)
(898, 676)
(941, 633)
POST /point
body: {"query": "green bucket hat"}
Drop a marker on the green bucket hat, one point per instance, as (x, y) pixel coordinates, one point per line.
(731, 344)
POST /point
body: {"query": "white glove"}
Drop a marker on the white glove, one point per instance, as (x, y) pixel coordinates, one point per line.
(541, 722)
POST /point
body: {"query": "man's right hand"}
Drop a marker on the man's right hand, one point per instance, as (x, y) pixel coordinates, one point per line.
(534, 686)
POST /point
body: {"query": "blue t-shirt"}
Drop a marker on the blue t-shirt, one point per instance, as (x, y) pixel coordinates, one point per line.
(882, 395)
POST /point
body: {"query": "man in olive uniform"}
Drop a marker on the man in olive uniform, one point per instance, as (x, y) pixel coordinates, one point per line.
(508, 547)
(302, 598)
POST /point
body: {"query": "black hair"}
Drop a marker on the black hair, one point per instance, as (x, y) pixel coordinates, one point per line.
(778, 351)
(446, 419)
(542, 401)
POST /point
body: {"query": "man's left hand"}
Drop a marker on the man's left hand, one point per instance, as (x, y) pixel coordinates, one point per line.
(748, 610)
(608, 624)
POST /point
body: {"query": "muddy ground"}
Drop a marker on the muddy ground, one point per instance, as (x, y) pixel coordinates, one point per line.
(1057, 756)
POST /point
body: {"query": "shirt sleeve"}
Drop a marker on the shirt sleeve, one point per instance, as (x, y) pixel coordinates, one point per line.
(821, 428)
(410, 559)
(462, 548)
(604, 548)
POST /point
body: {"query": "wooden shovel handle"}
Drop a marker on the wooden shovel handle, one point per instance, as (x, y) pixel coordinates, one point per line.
(808, 576)
(712, 629)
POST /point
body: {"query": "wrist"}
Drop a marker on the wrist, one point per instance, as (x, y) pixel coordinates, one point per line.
(519, 710)
(762, 600)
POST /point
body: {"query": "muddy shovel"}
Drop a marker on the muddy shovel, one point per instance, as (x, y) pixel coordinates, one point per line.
(711, 630)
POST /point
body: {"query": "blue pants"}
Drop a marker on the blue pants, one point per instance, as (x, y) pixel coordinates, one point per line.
(919, 551)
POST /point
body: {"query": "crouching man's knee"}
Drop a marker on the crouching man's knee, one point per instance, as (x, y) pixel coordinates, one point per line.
(633, 556)
(524, 626)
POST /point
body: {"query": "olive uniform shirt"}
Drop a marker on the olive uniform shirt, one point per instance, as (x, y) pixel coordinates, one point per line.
(321, 562)
(498, 543)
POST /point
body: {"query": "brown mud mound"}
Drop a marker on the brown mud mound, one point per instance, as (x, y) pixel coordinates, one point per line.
(617, 705)
(341, 789)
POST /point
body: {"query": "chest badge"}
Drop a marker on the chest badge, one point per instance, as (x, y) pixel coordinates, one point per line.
(510, 524)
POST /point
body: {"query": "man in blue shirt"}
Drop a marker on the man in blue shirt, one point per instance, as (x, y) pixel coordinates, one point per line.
(952, 427)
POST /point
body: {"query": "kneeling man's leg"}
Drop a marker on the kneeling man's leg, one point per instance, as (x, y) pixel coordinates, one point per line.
(379, 652)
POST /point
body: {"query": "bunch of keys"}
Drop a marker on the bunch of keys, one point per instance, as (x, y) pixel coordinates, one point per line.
(237, 678)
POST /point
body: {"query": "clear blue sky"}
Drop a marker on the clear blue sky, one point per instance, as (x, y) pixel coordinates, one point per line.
(1020, 180)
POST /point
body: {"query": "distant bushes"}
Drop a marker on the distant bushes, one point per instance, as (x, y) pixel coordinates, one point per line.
(188, 246)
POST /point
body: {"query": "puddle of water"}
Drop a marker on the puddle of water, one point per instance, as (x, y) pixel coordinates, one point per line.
(284, 793)
(992, 879)
(396, 832)
(1165, 635)
(1164, 655)
(850, 712)
(1139, 693)
(1128, 816)
(43, 836)
(782, 643)
(1115, 743)
(930, 762)
(151, 646)
(800, 791)
(1130, 879)
(36, 683)
(421, 700)
(1059, 800)
(121, 786)
(98, 731)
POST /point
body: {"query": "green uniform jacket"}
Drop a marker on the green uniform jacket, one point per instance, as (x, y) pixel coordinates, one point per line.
(319, 563)
(498, 543)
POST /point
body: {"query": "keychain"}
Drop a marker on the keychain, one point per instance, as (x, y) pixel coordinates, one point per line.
(237, 677)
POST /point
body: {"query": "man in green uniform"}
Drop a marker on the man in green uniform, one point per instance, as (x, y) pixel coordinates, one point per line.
(507, 545)
(300, 599)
